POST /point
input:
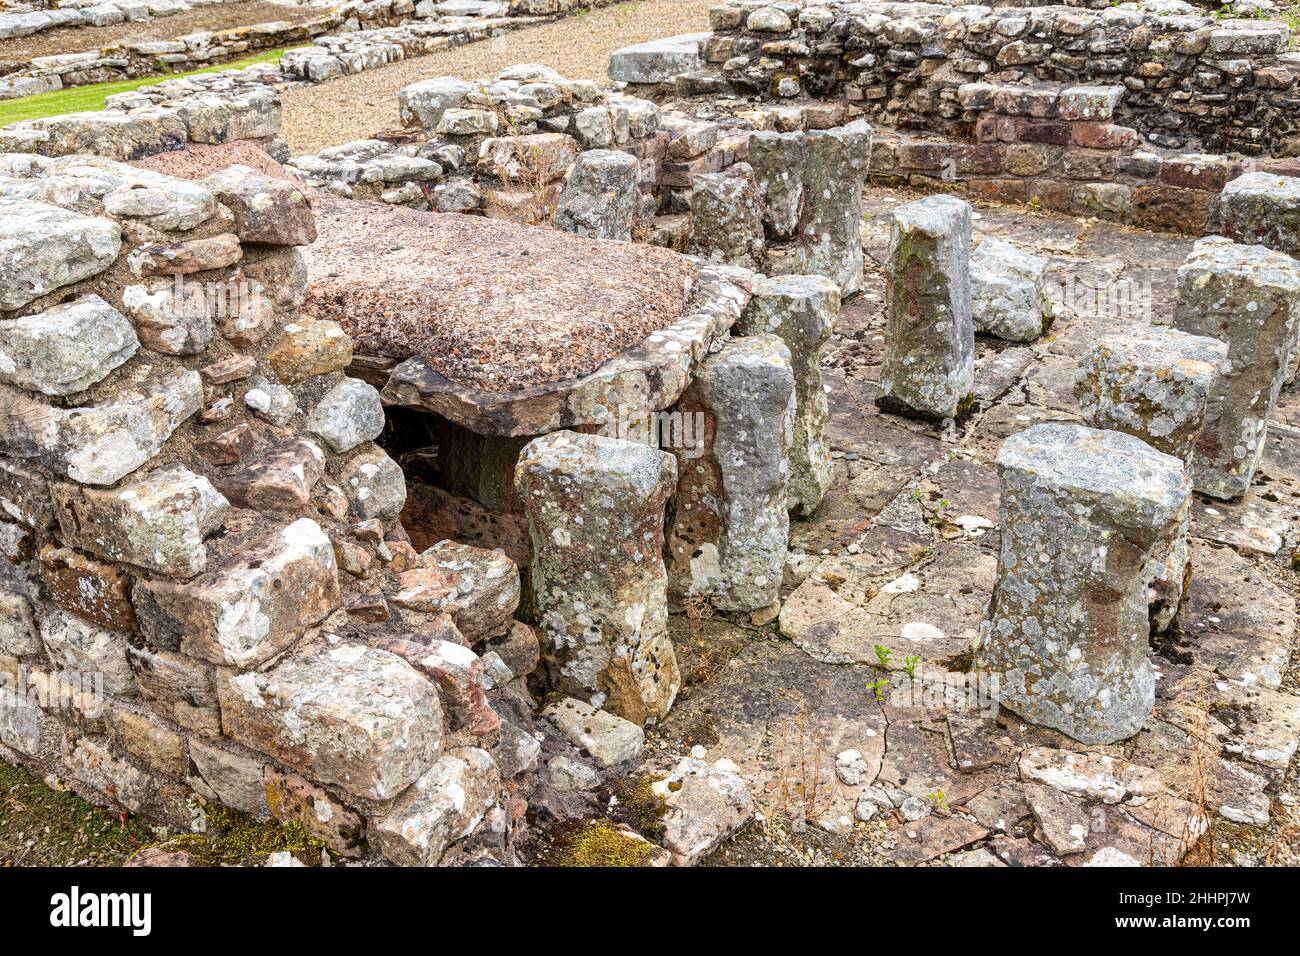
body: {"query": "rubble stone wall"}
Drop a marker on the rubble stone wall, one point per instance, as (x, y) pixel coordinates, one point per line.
(206, 592)
(1189, 81)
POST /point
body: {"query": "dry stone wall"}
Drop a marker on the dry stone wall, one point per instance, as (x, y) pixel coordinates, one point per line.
(207, 593)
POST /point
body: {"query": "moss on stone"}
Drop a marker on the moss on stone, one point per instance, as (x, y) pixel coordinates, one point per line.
(639, 806)
(596, 842)
(233, 838)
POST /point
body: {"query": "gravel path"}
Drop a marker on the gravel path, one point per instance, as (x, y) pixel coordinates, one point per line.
(221, 16)
(579, 47)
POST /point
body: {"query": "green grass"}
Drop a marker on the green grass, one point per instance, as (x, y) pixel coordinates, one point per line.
(80, 98)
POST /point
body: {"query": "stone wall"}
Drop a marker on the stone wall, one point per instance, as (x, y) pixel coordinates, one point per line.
(1190, 81)
(207, 594)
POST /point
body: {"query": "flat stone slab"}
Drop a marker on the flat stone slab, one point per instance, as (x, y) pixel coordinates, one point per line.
(657, 61)
(489, 304)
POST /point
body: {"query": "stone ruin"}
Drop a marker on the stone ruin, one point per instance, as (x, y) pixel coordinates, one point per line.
(374, 489)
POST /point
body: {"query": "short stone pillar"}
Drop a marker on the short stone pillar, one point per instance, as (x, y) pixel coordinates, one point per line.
(929, 365)
(1153, 383)
(1008, 294)
(801, 311)
(730, 531)
(595, 508)
(830, 223)
(1262, 209)
(777, 161)
(600, 196)
(1066, 635)
(1248, 297)
(726, 225)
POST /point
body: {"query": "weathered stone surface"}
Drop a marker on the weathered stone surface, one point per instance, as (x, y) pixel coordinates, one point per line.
(478, 588)
(270, 401)
(347, 415)
(443, 806)
(91, 590)
(1090, 775)
(1262, 209)
(600, 197)
(232, 777)
(157, 522)
(374, 484)
(423, 103)
(605, 737)
(307, 349)
(929, 364)
(267, 211)
(1152, 383)
(94, 653)
(726, 224)
(250, 610)
(191, 255)
(458, 672)
(536, 158)
(66, 348)
(1066, 634)
(730, 529)
(1248, 297)
(830, 222)
(290, 796)
(43, 248)
(178, 687)
(18, 635)
(657, 61)
(802, 311)
(706, 805)
(777, 160)
(147, 739)
(99, 444)
(170, 316)
(595, 509)
(1008, 296)
(113, 134)
(280, 479)
(162, 203)
(349, 715)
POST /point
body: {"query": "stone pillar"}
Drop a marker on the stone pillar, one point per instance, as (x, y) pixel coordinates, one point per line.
(1154, 383)
(1249, 297)
(726, 225)
(1066, 634)
(595, 509)
(929, 366)
(1262, 209)
(601, 195)
(729, 536)
(1008, 298)
(801, 311)
(830, 218)
(777, 159)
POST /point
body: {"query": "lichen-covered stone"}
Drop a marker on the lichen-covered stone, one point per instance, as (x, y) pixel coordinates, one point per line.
(307, 349)
(92, 652)
(374, 484)
(158, 522)
(1008, 296)
(777, 160)
(347, 415)
(267, 211)
(246, 612)
(606, 737)
(66, 348)
(1066, 633)
(1262, 209)
(458, 673)
(929, 364)
(830, 222)
(1248, 297)
(726, 224)
(595, 508)
(600, 196)
(423, 103)
(731, 526)
(347, 714)
(1153, 383)
(706, 805)
(477, 587)
(279, 479)
(18, 635)
(99, 444)
(43, 248)
(801, 311)
(445, 805)
(170, 317)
